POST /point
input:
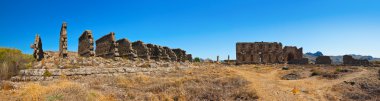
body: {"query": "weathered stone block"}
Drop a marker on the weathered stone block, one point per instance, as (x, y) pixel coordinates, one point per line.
(259, 52)
(323, 60)
(155, 52)
(164, 55)
(181, 54)
(349, 60)
(189, 57)
(171, 54)
(125, 49)
(86, 44)
(107, 47)
(38, 52)
(63, 41)
(141, 49)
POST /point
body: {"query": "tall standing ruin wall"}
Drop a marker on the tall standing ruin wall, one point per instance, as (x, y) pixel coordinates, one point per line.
(125, 49)
(106, 46)
(268, 52)
(86, 44)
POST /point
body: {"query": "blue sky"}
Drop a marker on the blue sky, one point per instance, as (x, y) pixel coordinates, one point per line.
(205, 28)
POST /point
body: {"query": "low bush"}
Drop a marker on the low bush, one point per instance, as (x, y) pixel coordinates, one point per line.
(13, 60)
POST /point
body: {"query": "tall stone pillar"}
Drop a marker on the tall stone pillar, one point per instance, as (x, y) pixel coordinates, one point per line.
(38, 52)
(63, 41)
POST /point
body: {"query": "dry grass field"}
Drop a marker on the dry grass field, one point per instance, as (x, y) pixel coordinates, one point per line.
(215, 82)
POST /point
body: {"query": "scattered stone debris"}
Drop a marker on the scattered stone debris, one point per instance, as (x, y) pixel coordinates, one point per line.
(38, 52)
(291, 76)
(323, 60)
(86, 44)
(268, 52)
(63, 41)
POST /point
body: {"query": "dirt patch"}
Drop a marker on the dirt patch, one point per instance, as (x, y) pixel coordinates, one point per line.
(291, 76)
(360, 89)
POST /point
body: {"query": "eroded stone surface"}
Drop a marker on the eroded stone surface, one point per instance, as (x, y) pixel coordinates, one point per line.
(63, 41)
(181, 54)
(259, 52)
(170, 53)
(323, 60)
(141, 49)
(107, 47)
(86, 44)
(349, 60)
(125, 49)
(189, 57)
(268, 52)
(38, 52)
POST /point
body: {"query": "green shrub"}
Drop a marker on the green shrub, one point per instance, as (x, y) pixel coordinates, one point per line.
(197, 59)
(47, 73)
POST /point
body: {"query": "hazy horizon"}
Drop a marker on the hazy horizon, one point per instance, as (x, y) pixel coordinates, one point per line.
(205, 29)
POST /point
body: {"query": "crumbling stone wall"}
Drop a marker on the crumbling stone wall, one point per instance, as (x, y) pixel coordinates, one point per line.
(189, 57)
(38, 52)
(349, 60)
(323, 60)
(125, 49)
(63, 41)
(268, 52)
(107, 47)
(155, 52)
(141, 49)
(259, 52)
(292, 53)
(164, 56)
(171, 54)
(181, 54)
(86, 44)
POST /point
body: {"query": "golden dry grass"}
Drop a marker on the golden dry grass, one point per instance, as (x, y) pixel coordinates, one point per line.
(182, 85)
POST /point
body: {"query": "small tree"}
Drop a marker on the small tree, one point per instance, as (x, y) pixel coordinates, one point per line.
(197, 59)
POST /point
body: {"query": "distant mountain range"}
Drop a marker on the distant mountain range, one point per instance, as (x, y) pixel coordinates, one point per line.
(337, 59)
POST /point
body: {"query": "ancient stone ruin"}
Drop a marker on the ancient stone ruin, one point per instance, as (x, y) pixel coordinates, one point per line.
(294, 55)
(86, 44)
(181, 54)
(38, 52)
(172, 55)
(125, 49)
(155, 52)
(323, 60)
(164, 56)
(107, 47)
(63, 41)
(259, 53)
(268, 52)
(349, 60)
(141, 49)
(189, 57)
